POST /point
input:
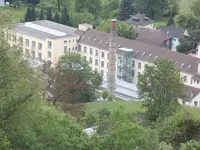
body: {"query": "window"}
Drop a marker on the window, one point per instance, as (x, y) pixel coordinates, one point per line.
(96, 62)
(133, 63)
(73, 48)
(27, 42)
(33, 45)
(102, 63)
(96, 53)
(79, 48)
(69, 50)
(102, 73)
(85, 49)
(108, 56)
(33, 54)
(139, 74)
(76, 48)
(69, 41)
(65, 49)
(133, 73)
(102, 54)
(40, 55)
(139, 65)
(90, 60)
(184, 79)
(39, 46)
(65, 41)
(195, 103)
(197, 81)
(73, 40)
(49, 54)
(107, 65)
(49, 45)
(91, 51)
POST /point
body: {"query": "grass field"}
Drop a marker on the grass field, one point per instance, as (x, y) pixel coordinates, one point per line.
(129, 107)
(16, 13)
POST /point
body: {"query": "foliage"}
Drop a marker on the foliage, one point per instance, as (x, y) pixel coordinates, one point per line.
(123, 29)
(126, 9)
(85, 17)
(160, 86)
(105, 94)
(190, 145)
(110, 98)
(4, 142)
(49, 14)
(183, 126)
(30, 14)
(164, 146)
(65, 19)
(41, 17)
(56, 17)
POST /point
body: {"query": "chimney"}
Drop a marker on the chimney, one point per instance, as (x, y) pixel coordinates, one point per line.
(112, 58)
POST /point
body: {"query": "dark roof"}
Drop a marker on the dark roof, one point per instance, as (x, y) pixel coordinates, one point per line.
(139, 20)
(142, 51)
(172, 30)
(152, 36)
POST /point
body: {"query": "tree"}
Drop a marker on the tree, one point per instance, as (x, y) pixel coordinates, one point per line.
(41, 17)
(78, 18)
(65, 19)
(27, 16)
(110, 98)
(33, 14)
(126, 9)
(160, 87)
(123, 29)
(49, 14)
(105, 94)
(56, 18)
(190, 145)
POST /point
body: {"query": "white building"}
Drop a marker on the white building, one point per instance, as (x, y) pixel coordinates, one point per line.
(2, 3)
(47, 40)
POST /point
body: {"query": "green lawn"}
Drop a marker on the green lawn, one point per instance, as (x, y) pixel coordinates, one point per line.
(160, 21)
(129, 107)
(16, 13)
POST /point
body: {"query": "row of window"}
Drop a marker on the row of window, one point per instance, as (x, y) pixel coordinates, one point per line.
(96, 52)
(97, 62)
(69, 49)
(33, 53)
(74, 40)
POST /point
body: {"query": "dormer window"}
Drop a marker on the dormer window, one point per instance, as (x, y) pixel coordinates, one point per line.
(176, 62)
(143, 54)
(150, 55)
(182, 64)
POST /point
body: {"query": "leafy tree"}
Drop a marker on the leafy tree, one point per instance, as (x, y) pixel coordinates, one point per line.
(150, 7)
(164, 146)
(56, 18)
(4, 142)
(41, 17)
(160, 86)
(182, 127)
(110, 98)
(123, 29)
(49, 14)
(33, 14)
(105, 94)
(190, 145)
(65, 19)
(126, 9)
(85, 17)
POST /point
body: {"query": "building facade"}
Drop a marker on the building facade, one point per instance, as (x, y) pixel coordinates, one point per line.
(2, 3)
(48, 41)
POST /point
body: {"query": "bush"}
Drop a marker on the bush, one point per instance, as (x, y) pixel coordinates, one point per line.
(105, 94)
(110, 98)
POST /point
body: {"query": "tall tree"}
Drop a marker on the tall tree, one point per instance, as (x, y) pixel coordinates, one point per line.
(160, 87)
(56, 18)
(27, 16)
(49, 14)
(33, 14)
(65, 18)
(126, 9)
(41, 15)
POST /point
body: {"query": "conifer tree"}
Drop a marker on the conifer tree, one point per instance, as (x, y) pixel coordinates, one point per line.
(65, 19)
(41, 15)
(33, 14)
(27, 14)
(49, 14)
(126, 9)
(56, 18)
